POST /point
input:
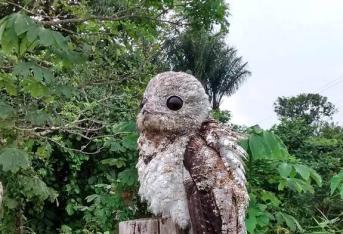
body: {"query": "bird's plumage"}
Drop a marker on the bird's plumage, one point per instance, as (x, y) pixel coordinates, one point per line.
(214, 162)
(190, 167)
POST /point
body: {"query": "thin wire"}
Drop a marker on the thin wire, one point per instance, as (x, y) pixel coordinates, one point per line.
(324, 87)
(330, 86)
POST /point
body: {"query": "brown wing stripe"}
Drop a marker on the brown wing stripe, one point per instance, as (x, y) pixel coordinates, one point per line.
(204, 213)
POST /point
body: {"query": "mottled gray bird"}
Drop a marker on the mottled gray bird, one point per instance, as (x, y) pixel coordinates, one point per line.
(190, 167)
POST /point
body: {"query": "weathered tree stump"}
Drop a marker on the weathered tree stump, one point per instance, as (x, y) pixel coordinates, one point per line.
(150, 226)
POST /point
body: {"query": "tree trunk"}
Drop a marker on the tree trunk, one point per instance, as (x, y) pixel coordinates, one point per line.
(151, 226)
(19, 222)
(215, 103)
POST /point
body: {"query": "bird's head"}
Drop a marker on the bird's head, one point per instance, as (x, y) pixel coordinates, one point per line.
(173, 102)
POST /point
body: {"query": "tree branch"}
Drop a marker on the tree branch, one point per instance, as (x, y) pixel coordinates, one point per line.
(82, 20)
(106, 18)
(20, 7)
(76, 150)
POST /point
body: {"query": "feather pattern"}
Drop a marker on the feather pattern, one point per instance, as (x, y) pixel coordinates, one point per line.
(224, 141)
(161, 175)
(190, 168)
(215, 164)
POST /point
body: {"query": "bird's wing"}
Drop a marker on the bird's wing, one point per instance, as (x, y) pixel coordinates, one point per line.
(215, 187)
(224, 141)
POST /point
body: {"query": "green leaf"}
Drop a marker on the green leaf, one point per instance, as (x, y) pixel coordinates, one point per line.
(60, 41)
(299, 185)
(42, 74)
(282, 184)
(64, 90)
(92, 197)
(45, 37)
(7, 83)
(66, 229)
(24, 45)
(23, 69)
(294, 184)
(130, 141)
(341, 192)
(266, 195)
(128, 176)
(32, 33)
(26, 69)
(284, 170)
(6, 111)
(114, 162)
(316, 177)
(70, 208)
(250, 223)
(10, 203)
(291, 222)
(303, 170)
(115, 146)
(44, 151)
(262, 220)
(336, 181)
(244, 144)
(21, 23)
(257, 216)
(35, 187)
(129, 126)
(2, 29)
(38, 117)
(256, 129)
(10, 42)
(35, 88)
(12, 159)
(266, 145)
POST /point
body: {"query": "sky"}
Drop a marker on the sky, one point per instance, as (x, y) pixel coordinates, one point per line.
(292, 47)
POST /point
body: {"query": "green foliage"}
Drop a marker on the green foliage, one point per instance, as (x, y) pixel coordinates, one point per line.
(23, 185)
(71, 79)
(12, 160)
(221, 116)
(309, 107)
(337, 183)
(210, 59)
(264, 145)
(326, 225)
(20, 34)
(273, 175)
(318, 145)
(6, 111)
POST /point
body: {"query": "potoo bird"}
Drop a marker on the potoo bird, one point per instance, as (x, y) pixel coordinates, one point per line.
(190, 167)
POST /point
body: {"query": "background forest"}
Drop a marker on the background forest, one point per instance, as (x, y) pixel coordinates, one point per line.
(72, 73)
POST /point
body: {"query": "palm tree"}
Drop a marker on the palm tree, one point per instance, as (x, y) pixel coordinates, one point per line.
(209, 59)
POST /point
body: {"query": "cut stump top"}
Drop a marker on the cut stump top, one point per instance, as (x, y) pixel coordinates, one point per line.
(150, 226)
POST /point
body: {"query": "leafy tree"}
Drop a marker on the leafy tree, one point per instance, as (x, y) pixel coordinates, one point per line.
(274, 176)
(337, 184)
(221, 116)
(208, 57)
(319, 145)
(71, 77)
(309, 107)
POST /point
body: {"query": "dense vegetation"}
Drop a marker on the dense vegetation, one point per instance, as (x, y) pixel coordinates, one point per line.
(71, 77)
(315, 141)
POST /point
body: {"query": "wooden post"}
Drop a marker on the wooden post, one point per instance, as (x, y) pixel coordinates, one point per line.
(150, 226)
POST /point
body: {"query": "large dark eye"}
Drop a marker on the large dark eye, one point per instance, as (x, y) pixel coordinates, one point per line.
(174, 103)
